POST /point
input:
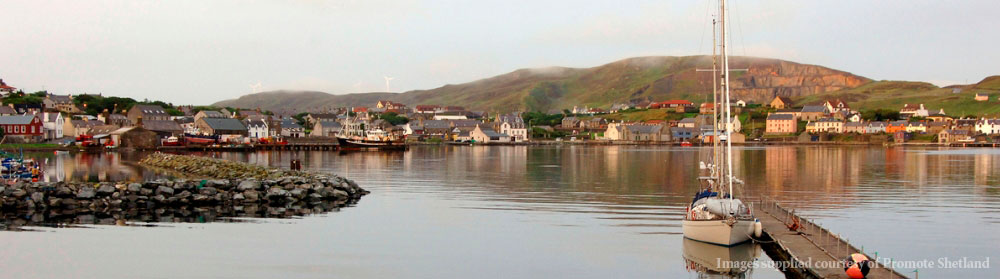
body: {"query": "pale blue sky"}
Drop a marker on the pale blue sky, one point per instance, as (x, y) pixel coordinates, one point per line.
(205, 51)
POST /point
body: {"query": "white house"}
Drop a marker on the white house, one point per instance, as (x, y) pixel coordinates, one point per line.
(988, 126)
(484, 134)
(513, 125)
(258, 129)
(913, 111)
(52, 124)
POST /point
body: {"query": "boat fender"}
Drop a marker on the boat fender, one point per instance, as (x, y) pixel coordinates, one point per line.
(758, 229)
(857, 266)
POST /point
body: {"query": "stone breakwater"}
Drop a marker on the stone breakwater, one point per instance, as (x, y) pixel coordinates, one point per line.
(233, 185)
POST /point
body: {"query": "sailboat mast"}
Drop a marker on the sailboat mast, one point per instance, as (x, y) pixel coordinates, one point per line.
(725, 88)
(716, 157)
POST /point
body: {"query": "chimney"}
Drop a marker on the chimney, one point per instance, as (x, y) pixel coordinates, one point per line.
(107, 117)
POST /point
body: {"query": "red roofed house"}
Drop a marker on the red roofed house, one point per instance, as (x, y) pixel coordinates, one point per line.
(27, 126)
(707, 108)
(5, 89)
(671, 104)
(359, 109)
(388, 105)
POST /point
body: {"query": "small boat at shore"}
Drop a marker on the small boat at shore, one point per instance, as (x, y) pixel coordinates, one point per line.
(362, 143)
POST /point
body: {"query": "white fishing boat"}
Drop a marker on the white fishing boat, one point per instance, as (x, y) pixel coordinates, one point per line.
(715, 215)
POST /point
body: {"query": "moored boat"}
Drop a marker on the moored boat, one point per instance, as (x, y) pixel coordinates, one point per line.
(715, 216)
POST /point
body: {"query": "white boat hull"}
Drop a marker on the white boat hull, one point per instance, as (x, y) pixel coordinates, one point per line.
(718, 232)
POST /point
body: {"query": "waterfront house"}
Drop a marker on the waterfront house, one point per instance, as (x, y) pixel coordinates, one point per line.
(147, 113)
(77, 127)
(982, 97)
(901, 136)
(988, 126)
(954, 136)
(781, 102)
(291, 129)
(327, 129)
(513, 125)
(52, 125)
(163, 128)
(909, 110)
(682, 134)
(228, 129)
(440, 128)
(826, 125)
(615, 131)
(257, 129)
(781, 124)
(875, 127)
(896, 126)
(916, 127)
(413, 129)
(813, 113)
(484, 134)
(22, 128)
(134, 137)
(208, 114)
(643, 132)
(854, 127)
(187, 124)
(968, 124)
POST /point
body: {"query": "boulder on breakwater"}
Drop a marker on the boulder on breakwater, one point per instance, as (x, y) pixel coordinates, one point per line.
(230, 184)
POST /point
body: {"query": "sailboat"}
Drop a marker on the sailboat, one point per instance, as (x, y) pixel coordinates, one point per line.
(715, 215)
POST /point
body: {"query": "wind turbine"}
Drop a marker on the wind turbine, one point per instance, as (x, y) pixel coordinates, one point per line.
(255, 87)
(387, 79)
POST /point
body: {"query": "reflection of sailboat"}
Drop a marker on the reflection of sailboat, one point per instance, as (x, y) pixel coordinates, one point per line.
(715, 215)
(714, 261)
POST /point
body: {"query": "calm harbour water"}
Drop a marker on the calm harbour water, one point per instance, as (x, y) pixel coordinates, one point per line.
(536, 212)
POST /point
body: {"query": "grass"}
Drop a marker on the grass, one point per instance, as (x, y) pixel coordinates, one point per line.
(29, 146)
(894, 94)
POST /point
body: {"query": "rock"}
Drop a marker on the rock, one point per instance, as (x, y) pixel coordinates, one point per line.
(251, 195)
(297, 193)
(145, 192)
(105, 190)
(199, 198)
(276, 193)
(164, 190)
(340, 194)
(134, 187)
(238, 197)
(248, 185)
(55, 202)
(64, 192)
(208, 191)
(86, 193)
(19, 193)
(37, 196)
(184, 194)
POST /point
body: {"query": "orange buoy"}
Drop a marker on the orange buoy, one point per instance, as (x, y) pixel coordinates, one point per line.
(857, 266)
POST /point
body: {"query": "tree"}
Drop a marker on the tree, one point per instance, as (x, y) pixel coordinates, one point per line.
(880, 115)
(394, 118)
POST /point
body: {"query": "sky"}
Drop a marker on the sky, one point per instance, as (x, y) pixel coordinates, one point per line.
(200, 52)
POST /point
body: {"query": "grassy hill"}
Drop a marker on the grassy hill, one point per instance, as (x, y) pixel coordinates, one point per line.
(893, 94)
(640, 78)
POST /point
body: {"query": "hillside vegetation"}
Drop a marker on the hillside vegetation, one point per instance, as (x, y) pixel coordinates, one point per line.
(894, 94)
(641, 78)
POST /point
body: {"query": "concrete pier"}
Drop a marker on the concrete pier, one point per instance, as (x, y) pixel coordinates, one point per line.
(809, 244)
